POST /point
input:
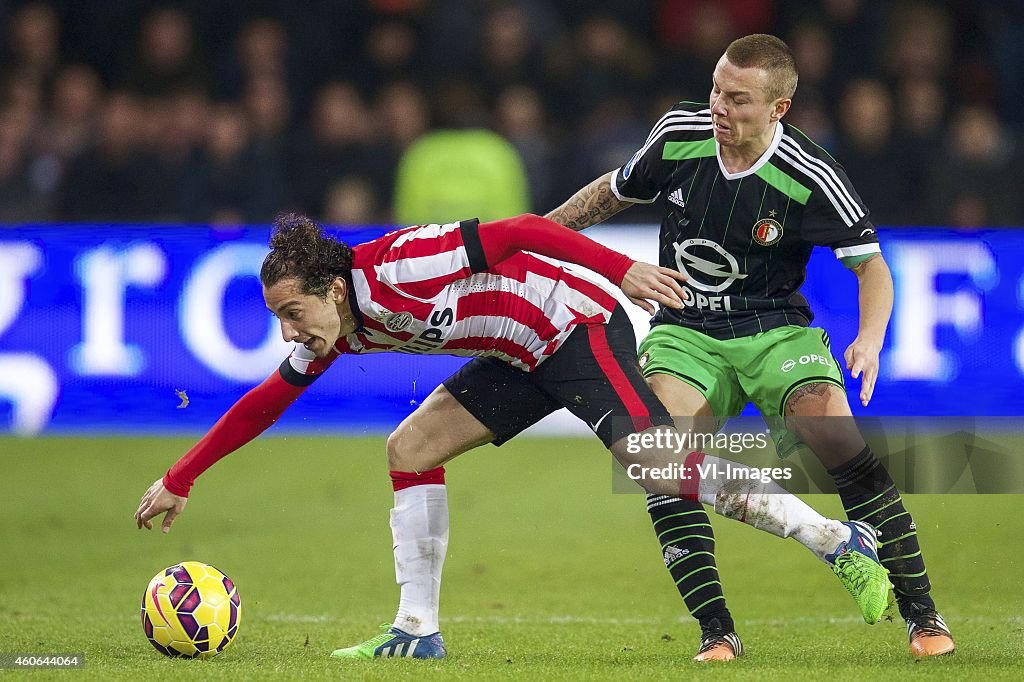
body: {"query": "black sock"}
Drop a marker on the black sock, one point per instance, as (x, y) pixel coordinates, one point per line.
(869, 494)
(688, 546)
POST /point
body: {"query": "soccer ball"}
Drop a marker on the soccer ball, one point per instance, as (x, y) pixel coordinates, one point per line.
(191, 610)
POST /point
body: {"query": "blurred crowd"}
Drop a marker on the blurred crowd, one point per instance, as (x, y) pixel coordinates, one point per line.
(229, 111)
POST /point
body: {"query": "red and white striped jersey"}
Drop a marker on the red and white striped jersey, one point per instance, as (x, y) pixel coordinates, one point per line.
(454, 289)
(428, 290)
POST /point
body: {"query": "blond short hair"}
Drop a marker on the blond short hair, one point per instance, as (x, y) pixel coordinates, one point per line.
(767, 52)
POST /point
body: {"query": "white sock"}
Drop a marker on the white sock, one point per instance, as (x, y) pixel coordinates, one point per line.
(419, 526)
(766, 505)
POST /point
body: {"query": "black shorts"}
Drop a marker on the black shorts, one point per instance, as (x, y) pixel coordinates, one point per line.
(594, 375)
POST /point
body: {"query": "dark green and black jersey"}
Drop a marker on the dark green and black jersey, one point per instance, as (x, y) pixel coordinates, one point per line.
(743, 239)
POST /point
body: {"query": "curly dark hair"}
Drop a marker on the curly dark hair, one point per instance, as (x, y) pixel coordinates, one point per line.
(300, 249)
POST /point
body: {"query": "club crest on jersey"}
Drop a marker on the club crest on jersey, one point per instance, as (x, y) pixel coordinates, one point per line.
(767, 232)
(396, 322)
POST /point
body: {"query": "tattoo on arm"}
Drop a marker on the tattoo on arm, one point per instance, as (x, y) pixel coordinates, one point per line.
(593, 204)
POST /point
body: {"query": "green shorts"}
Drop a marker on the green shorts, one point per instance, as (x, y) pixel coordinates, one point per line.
(763, 369)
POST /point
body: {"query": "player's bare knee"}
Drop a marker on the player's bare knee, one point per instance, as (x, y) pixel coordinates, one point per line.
(392, 450)
(820, 416)
(815, 433)
(406, 452)
(625, 450)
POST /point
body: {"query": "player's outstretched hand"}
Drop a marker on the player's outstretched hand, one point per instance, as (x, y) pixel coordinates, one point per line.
(644, 283)
(155, 502)
(862, 358)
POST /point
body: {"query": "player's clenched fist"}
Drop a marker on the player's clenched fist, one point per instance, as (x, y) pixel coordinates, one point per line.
(156, 501)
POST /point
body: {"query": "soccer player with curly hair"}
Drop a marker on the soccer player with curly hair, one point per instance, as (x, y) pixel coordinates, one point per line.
(541, 337)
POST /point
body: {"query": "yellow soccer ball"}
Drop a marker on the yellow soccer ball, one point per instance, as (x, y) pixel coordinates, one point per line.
(191, 610)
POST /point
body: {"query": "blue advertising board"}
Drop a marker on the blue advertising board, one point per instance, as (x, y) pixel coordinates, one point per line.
(105, 329)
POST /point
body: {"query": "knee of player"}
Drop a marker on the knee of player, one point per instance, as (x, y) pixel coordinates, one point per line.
(826, 434)
(396, 451)
(409, 451)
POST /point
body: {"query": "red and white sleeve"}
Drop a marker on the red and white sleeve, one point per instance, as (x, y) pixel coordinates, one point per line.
(501, 239)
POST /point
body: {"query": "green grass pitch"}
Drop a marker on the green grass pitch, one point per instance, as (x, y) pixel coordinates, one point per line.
(549, 575)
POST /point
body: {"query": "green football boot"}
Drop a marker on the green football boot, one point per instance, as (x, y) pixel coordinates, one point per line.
(395, 643)
(862, 574)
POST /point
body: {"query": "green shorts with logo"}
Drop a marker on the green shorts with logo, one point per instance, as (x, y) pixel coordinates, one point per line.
(763, 369)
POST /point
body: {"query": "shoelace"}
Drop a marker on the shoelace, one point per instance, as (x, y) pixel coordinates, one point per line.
(708, 642)
(713, 640)
(930, 632)
(382, 637)
(929, 627)
(845, 567)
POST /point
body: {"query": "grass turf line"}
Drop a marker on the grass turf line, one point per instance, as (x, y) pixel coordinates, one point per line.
(548, 574)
